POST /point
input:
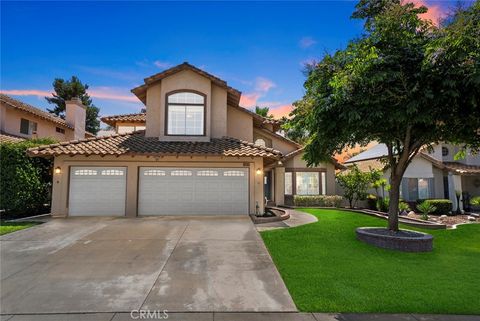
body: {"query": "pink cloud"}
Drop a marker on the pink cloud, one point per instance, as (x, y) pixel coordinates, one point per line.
(264, 84)
(280, 111)
(435, 12)
(26, 92)
(107, 93)
(111, 94)
(249, 100)
(307, 42)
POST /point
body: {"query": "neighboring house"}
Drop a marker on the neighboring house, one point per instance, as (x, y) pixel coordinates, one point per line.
(429, 175)
(200, 153)
(19, 120)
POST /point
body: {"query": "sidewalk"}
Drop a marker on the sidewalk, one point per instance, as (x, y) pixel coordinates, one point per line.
(245, 316)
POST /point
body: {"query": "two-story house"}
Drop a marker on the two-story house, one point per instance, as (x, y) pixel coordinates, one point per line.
(435, 174)
(19, 121)
(200, 153)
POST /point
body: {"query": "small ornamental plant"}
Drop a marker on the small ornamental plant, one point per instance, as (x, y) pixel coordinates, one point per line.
(403, 208)
(426, 208)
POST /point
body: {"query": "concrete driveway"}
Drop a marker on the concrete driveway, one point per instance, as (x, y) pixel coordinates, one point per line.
(118, 264)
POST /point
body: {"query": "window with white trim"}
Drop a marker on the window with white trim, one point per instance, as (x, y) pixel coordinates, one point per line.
(207, 173)
(288, 183)
(85, 172)
(233, 173)
(112, 172)
(186, 114)
(413, 189)
(27, 127)
(307, 183)
(324, 183)
(181, 173)
(153, 172)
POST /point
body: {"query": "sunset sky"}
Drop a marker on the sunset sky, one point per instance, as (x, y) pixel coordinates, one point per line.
(258, 48)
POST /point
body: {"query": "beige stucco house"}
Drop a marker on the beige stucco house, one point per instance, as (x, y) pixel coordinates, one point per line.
(431, 174)
(19, 121)
(194, 151)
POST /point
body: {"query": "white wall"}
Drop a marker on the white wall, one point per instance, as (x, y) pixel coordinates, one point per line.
(419, 168)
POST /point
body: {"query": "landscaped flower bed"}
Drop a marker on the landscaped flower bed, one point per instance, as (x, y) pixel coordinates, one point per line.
(448, 220)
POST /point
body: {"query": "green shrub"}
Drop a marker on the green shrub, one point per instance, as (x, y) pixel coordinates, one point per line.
(371, 202)
(442, 206)
(383, 204)
(317, 200)
(475, 201)
(402, 206)
(25, 182)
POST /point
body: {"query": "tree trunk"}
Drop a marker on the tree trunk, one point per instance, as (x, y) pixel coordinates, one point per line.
(394, 200)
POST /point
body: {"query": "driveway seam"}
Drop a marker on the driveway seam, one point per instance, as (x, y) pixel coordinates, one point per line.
(164, 265)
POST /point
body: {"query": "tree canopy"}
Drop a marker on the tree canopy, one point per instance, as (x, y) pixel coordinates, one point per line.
(263, 111)
(405, 83)
(68, 89)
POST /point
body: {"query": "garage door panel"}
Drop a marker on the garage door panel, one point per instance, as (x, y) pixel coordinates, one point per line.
(191, 191)
(97, 191)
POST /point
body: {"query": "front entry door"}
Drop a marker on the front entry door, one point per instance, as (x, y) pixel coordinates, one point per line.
(267, 185)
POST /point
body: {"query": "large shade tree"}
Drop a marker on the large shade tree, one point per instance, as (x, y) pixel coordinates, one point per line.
(68, 89)
(405, 83)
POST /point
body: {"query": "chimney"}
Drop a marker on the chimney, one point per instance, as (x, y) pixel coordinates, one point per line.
(75, 116)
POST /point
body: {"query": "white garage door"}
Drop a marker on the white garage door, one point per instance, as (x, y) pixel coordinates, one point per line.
(97, 191)
(192, 191)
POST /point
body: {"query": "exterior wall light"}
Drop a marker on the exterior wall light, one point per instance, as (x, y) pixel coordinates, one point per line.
(259, 171)
(58, 170)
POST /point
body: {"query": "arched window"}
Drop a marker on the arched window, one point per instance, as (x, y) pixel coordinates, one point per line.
(260, 142)
(445, 151)
(185, 114)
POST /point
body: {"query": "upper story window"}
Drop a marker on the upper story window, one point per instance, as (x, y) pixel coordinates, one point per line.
(185, 114)
(60, 130)
(27, 127)
(260, 142)
(445, 151)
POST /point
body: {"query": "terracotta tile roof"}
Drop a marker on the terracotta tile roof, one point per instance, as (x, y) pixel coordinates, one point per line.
(300, 150)
(126, 118)
(137, 144)
(233, 95)
(258, 118)
(277, 135)
(6, 138)
(17, 104)
(462, 168)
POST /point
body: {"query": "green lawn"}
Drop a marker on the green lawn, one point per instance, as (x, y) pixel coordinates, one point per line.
(9, 227)
(327, 270)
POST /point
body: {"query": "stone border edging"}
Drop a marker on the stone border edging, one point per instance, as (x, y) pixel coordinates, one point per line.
(277, 218)
(422, 242)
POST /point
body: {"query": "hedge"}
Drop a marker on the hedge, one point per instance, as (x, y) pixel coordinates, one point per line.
(25, 182)
(318, 200)
(443, 206)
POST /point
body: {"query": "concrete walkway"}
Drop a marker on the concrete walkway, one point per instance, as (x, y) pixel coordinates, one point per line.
(87, 265)
(297, 218)
(220, 316)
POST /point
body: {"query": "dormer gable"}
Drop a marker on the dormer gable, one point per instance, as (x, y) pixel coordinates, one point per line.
(185, 103)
